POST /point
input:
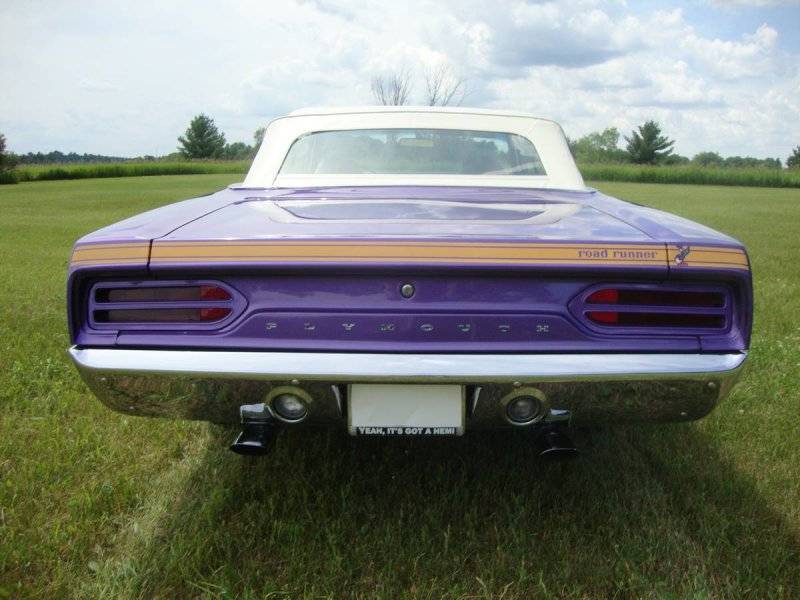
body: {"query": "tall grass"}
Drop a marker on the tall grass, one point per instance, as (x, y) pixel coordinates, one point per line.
(8, 176)
(752, 177)
(128, 169)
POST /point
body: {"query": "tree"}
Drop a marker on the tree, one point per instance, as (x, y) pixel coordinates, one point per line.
(675, 159)
(442, 87)
(708, 159)
(258, 136)
(7, 161)
(237, 151)
(202, 139)
(647, 145)
(793, 162)
(392, 90)
(598, 147)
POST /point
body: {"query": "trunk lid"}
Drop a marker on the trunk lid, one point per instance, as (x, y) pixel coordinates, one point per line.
(411, 226)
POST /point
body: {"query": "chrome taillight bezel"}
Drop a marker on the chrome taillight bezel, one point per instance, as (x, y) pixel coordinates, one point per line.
(235, 304)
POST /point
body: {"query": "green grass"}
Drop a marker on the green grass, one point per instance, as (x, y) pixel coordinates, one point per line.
(95, 504)
(692, 174)
(128, 169)
(598, 172)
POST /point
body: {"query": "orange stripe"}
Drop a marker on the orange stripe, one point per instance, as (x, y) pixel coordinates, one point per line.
(451, 252)
(403, 251)
(709, 257)
(109, 253)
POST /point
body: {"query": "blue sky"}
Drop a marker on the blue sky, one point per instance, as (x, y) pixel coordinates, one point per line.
(125, 78)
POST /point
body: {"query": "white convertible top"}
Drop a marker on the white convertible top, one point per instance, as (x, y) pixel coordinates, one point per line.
(547, 136)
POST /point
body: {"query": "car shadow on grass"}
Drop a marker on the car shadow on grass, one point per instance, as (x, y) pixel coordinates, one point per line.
(645, 511)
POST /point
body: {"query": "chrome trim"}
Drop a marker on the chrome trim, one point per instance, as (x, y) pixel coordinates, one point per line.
(580, 388)
(457, 368)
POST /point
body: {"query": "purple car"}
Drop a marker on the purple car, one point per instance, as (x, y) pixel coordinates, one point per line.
(410, 271)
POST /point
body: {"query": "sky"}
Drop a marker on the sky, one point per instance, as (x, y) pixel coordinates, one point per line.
(125, 78)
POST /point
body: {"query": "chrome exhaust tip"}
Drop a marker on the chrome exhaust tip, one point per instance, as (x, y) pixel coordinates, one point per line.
(554, 444)
(259, 431)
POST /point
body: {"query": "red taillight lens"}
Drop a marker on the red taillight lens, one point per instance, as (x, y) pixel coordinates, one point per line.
(162, 294)
(637, 306)
(213, 292)
(638, 297)
(149, 303)
(607, 296)
(647, 319)
(161, 315)
(604, 317)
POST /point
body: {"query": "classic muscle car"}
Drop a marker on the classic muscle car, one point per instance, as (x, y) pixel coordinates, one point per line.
(410, 271)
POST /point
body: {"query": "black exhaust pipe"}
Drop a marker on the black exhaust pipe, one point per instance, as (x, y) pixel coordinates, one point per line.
(554, 444)
(259, 431)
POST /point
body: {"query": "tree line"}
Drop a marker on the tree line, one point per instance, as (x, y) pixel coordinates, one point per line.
(203, 139)
(647, 145)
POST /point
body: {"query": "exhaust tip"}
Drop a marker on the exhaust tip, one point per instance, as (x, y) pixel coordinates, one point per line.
(524, 406)
(258, 434)
(555, 445)
(255, 440)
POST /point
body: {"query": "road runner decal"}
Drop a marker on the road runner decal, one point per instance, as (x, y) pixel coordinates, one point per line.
(568, 254)
(540, 253)
(708, 257)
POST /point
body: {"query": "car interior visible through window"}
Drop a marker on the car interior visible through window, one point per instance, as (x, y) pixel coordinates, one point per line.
(412, 151)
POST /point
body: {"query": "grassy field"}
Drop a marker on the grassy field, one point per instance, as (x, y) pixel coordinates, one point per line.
(692, 174)
(129, 169)
(98, 505)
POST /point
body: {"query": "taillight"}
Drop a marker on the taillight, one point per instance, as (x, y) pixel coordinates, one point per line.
(162, 294)
(638, 297)
(653, 319)
(161, 315)
(640, 307)
(160, 303)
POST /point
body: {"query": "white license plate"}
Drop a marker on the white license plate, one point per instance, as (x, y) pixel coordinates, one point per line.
(389, 409)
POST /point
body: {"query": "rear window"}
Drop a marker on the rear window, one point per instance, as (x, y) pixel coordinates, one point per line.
(412, 152)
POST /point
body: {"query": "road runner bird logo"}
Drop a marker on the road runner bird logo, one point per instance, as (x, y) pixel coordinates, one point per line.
(682, 254)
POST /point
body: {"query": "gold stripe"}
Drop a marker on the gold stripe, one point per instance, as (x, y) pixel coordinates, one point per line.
(345, 259)
(710, 257)
(603, 254)
(402, 251)
(713, 265)
(110, 253)
(165, 243)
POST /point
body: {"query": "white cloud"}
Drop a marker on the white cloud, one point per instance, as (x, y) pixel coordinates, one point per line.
(756, 3)
(127, 80)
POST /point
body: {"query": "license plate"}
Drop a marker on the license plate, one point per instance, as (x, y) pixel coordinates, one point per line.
(389, 410)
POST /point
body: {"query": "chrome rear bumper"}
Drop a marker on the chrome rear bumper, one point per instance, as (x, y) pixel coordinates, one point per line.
(211, 385)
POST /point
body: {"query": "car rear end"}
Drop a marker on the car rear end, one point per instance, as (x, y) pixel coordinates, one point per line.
(407, 271)
(505, 333)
